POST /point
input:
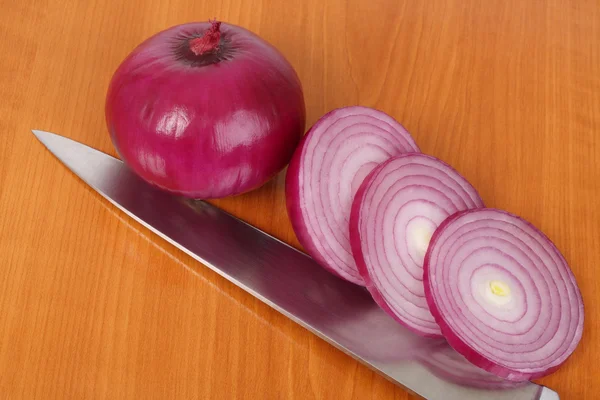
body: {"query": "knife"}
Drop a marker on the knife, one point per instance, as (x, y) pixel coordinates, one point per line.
(339, 312)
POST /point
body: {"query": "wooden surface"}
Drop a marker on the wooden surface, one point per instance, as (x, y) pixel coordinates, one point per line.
(93, 306)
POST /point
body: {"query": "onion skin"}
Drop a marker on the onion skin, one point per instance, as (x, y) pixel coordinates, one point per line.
(214, 124)
(317, 244)
(465, 345)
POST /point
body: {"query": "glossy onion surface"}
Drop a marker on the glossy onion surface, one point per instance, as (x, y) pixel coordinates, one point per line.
(208, 125)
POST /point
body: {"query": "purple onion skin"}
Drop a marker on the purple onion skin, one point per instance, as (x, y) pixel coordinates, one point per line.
(209, 125)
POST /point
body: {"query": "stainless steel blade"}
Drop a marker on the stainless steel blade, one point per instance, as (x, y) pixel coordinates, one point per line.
(286, 279)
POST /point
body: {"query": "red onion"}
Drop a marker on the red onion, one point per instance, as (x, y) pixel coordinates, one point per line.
(205, 110)
(325, 173)
(394, 214)
(503, 294)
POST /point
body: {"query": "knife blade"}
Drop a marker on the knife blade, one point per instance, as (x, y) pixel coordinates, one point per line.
(341, 313)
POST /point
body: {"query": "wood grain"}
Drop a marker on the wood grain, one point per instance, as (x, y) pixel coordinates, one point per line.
(93, 306)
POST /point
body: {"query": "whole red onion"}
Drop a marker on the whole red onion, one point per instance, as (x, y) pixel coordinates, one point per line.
(205, 110)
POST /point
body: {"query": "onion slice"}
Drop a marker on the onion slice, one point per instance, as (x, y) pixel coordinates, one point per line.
(394, 215)
(503, 294)
(326, 170)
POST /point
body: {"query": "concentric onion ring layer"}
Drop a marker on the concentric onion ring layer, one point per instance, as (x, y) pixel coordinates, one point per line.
(341, 149)
(394, 215)
(525, 336)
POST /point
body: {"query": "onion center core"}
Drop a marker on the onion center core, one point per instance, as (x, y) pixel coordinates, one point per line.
(418, 233)
(498, 292)
(500, 288)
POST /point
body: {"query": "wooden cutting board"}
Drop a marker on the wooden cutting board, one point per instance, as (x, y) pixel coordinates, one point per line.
(94, 306)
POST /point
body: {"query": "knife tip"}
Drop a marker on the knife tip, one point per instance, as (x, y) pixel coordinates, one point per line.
(42, 136)
(38, 134)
